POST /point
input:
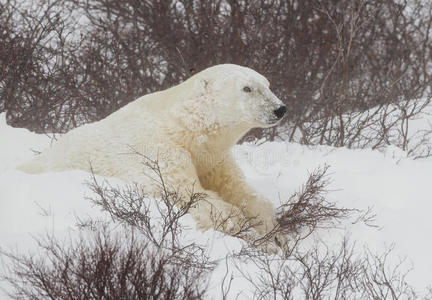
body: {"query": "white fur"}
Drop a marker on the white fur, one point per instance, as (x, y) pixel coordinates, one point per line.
(189, 129)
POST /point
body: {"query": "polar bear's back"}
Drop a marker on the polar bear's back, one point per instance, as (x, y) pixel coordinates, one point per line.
(105, 144)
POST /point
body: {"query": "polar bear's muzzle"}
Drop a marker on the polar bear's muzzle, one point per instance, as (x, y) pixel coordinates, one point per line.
(280, 112)
(269, 109)
(277, 115)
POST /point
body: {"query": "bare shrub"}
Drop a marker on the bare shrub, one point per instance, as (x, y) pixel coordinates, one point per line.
(38, 75)
(323, 273)
(368, 97)
(130, 206)
(384, 282)
(375, 128)
(308, 210)
(104, 266)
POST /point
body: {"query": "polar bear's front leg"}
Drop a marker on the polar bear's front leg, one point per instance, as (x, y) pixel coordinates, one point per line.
(227, 179)
(210, 211)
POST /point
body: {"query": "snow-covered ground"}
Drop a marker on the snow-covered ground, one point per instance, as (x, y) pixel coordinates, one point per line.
(398, 189)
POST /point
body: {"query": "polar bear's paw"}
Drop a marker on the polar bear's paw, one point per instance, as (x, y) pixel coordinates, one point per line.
(233, 222)
(226, 218)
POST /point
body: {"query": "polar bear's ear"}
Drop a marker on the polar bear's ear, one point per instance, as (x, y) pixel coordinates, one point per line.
(201, 86)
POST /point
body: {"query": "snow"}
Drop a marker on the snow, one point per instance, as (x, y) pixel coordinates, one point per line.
(396, 187)
(17, 143)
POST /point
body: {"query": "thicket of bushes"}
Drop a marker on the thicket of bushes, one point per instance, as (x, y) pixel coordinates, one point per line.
(65, 63)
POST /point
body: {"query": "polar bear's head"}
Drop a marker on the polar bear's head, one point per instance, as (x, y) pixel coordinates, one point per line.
(235, 94)
(227, 96)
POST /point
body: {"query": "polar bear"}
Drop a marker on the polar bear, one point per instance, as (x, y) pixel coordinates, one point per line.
(189, 129)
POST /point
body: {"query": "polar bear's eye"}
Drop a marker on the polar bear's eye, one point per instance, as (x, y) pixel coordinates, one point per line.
(247, 89)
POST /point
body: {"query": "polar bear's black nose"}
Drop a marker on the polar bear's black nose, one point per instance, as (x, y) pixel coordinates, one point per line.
(280, 112)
